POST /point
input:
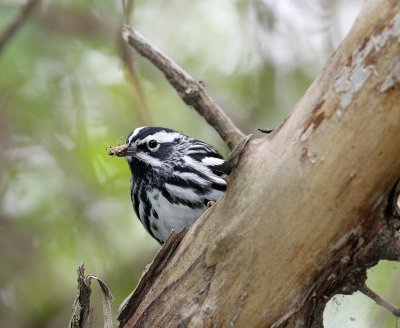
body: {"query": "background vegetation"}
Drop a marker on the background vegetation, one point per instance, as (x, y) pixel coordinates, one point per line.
(66, 93)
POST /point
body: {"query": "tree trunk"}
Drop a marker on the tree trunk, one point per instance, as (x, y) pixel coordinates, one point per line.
(304, 206)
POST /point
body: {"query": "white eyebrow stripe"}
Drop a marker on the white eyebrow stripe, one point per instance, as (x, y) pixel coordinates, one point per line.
(134, 133)
(162, 137)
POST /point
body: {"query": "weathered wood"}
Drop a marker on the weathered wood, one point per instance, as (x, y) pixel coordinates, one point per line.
(304, 204)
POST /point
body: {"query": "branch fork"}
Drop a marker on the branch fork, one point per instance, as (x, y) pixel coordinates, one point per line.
(193, 93)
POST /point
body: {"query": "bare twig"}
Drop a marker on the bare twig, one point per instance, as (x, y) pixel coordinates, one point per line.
(380, 301)
(82, 312)
(13, 27)
(107, 299)
(192, 92)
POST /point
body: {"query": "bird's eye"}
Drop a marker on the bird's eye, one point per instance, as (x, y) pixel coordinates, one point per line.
(152, 144)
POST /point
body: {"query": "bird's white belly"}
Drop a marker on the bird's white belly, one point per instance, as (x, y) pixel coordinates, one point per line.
(172, 216)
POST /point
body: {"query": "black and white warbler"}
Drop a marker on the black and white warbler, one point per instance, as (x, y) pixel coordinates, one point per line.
(174, 178)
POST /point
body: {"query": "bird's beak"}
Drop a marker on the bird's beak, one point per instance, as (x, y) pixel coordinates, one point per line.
(130, 150)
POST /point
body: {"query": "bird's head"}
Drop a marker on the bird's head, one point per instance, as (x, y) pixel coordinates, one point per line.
(152, 147)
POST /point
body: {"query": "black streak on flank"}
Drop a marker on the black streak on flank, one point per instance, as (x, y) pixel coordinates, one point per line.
(155, 214)
(136, 204)
(146, 202)
(177, 200)
(146, 223)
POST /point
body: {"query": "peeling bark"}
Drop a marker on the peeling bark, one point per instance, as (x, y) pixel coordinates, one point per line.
(304, 215)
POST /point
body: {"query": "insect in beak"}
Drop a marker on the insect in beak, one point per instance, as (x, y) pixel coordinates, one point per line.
(119, 151)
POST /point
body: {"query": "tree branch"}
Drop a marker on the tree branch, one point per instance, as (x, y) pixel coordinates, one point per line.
(18, 21)
(304, 208)
(380, 301)
(193, 93)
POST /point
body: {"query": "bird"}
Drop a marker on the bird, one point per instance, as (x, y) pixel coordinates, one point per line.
(174, 178)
